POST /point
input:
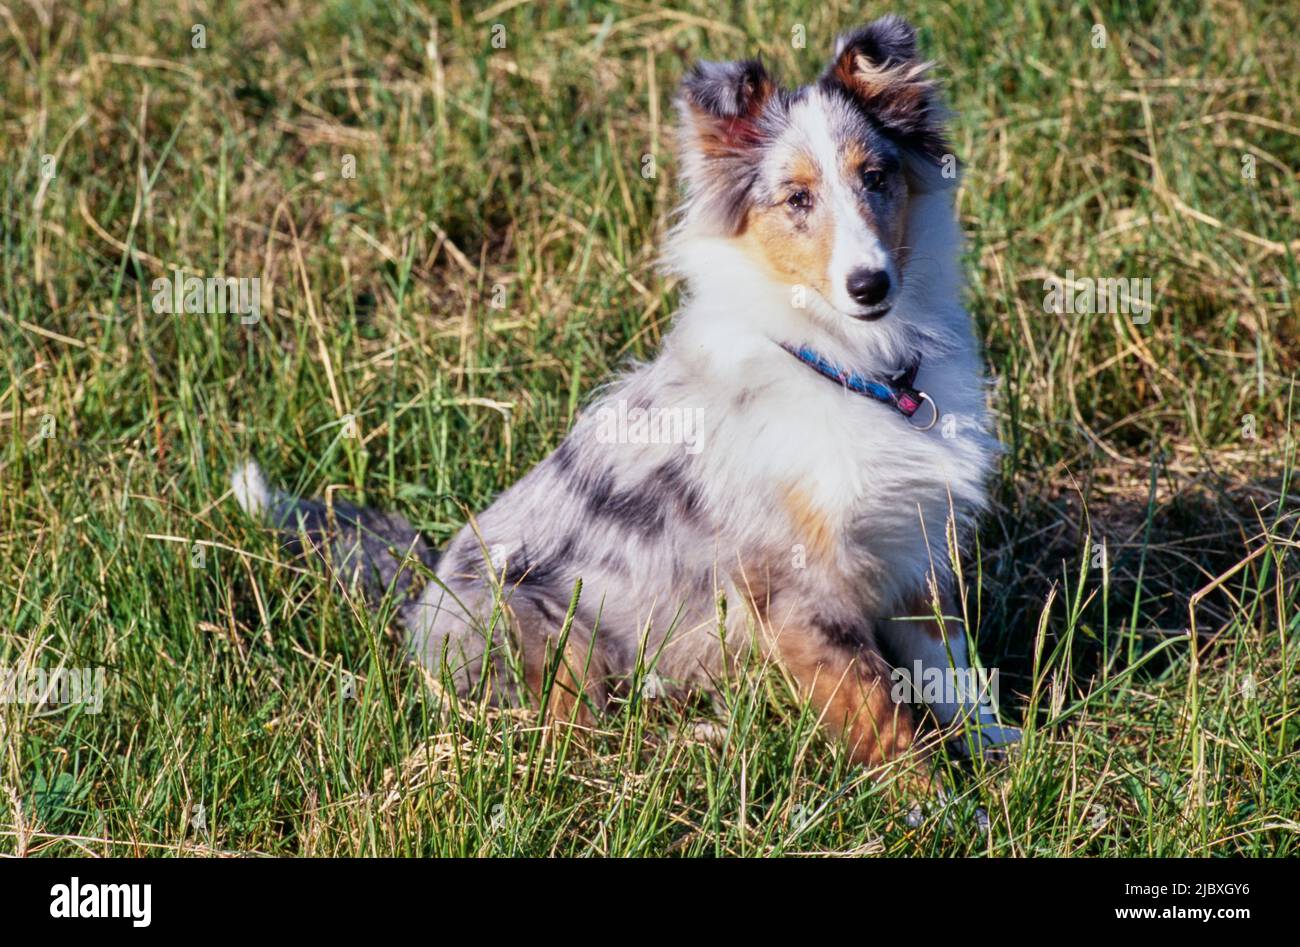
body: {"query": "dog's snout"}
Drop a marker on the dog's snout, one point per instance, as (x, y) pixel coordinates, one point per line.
(868, 287)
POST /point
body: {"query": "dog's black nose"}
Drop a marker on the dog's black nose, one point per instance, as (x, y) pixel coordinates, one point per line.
(868, 286)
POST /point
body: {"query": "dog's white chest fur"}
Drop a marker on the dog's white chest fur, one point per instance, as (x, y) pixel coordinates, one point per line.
(834, 480)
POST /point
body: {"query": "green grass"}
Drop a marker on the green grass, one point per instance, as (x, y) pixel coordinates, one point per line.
(520, 169)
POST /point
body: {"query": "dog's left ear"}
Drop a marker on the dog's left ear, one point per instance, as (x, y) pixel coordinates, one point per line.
(879, 67)
(721, 107)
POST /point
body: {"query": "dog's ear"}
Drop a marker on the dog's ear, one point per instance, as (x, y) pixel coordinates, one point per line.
(879, 67)
(721, 107)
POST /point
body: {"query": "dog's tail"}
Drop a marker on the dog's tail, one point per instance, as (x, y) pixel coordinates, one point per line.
(381, 553)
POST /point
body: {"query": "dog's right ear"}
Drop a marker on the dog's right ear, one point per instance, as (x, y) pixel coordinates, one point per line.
(721, 107)
(879, 67)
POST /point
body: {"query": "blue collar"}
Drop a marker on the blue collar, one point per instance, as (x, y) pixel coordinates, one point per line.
(897, 390)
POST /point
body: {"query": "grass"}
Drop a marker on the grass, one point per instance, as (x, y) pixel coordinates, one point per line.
(491, 261)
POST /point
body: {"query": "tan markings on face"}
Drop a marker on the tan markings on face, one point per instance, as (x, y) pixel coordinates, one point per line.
(852, 157)
(794, 247)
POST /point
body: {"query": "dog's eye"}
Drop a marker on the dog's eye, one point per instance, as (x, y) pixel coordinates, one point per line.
(873, 180)
(800, 198)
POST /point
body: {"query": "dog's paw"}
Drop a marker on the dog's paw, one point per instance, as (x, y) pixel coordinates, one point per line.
(919, 815)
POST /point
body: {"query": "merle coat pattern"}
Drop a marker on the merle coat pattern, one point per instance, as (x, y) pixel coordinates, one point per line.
(819, 217)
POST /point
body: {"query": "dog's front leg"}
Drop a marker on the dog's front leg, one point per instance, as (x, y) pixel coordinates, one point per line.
(571, 680)
(849, 687)
(934, 654)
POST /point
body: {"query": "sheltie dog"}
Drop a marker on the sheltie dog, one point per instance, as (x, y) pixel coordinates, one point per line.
(824, 456)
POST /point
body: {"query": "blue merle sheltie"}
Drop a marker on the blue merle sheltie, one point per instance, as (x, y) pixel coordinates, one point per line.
(820, 339)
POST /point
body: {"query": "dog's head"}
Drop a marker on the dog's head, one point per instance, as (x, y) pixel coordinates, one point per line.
(814, 184)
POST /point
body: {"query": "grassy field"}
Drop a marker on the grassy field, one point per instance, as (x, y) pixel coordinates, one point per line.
(456, 242)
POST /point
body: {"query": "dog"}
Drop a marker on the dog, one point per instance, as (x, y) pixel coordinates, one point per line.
(820, 339)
